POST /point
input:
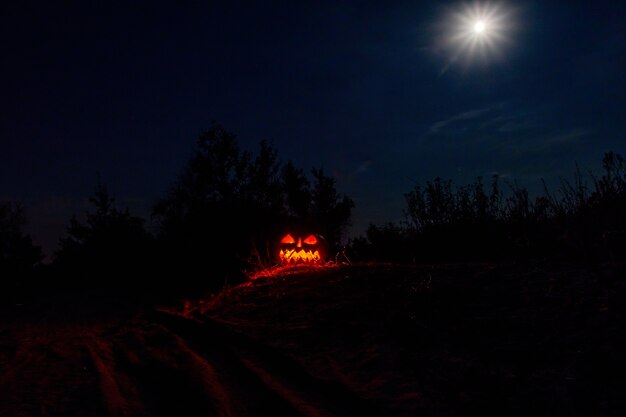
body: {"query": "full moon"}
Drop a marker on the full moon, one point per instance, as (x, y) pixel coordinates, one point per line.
(477, 32)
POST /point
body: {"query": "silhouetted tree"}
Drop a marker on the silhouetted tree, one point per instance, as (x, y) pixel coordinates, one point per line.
(18, 255)
(297, 189)
(107, 246)
(228, 201)
(223, 200)
(330, 210)
(315, 206)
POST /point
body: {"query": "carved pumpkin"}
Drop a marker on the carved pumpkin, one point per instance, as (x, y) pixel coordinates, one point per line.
(307, 249)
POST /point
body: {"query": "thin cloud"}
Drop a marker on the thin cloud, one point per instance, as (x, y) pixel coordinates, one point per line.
(361, 169)
(536, 145)
(566, 137)
(465, 116)
(512, 126)
(499, 118)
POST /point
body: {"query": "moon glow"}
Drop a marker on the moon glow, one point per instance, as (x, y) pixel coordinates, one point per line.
(476, 32)
(479, 26)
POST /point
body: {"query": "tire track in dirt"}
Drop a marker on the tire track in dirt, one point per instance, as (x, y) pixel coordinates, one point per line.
(174, 377)
(265, 370)
(160, 364)
(49, 373)
(119, 394)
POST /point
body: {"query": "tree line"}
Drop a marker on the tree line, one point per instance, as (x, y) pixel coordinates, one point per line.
(584, 219)
(228, 207)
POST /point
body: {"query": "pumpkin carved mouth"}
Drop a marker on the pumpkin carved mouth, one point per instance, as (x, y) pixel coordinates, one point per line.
(298, 250)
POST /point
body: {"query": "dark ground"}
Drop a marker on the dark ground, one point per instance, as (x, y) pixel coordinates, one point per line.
(363, 340)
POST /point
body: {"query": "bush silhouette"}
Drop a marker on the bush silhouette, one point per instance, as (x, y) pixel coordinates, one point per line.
(447, 223)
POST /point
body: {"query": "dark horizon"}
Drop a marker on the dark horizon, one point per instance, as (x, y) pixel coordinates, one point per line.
(371, 93)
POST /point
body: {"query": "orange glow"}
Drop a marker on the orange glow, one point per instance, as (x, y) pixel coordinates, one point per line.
(288, 240)
(294, 249)
(311, 240)
(289, 269)
(293, 256)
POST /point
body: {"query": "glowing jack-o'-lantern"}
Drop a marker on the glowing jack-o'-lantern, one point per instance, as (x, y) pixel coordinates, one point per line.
(294, 249)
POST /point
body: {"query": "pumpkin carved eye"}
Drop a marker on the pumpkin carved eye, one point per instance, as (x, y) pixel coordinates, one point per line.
(311, 240)
(288, 240)
(294, 249)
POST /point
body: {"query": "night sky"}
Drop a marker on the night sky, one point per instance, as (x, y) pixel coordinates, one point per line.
(379, 94)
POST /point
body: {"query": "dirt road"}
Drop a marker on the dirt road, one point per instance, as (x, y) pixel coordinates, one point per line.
(158, 364)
